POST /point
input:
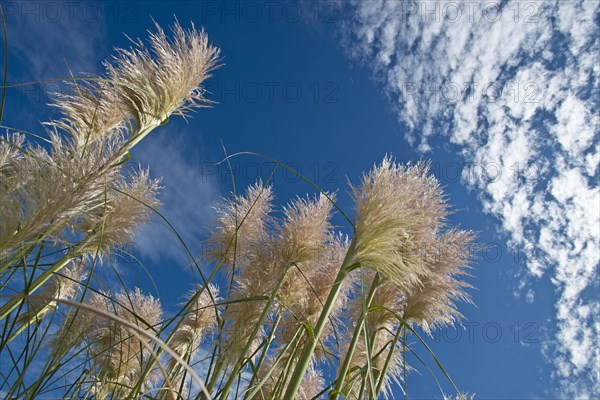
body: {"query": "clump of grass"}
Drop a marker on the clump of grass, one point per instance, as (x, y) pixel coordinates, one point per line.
(70, 199)
(300, 311)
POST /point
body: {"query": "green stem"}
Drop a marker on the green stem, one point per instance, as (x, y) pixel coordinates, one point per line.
(363, 385)
(14, 257)
(215, 376)
(292, 342)
(266, 349)
(40, 280)
(186, 308)
(36, 317)
(404, 362)
(357, 330)
(238, 365)
(313, 339)
(283, 377)
(389, 359)
(24, 252)
(137, 138)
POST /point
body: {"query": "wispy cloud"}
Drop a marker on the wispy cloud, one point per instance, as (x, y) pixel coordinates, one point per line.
(514, 86)
(188, 195)
(49, 41)
(49, 38)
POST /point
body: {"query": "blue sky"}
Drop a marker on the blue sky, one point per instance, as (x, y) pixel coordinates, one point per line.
(502, 97)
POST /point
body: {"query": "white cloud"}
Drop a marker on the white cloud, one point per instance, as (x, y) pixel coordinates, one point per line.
(49, 41)
(514, 87)
(575, 126)
(188, 195)
(530, 296)
(49, 38)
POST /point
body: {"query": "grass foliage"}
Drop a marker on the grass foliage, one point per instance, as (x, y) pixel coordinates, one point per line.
(288, 307)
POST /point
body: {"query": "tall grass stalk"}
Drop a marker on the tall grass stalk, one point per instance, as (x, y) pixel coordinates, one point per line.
(307, 354)
(360, 326)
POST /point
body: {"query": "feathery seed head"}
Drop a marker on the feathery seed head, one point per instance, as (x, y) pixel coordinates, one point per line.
(119, 353)
(125, 208)
(241, 319)
(305, 296)
(197, 323)
(303, 241)
(9, 156)
(312, 384)
(398, 208)
(432, 303)
(240, 231)
(305, 229)
(52, 189)
(90, 113)
(154, 84)
(61, 286)
(147, 85)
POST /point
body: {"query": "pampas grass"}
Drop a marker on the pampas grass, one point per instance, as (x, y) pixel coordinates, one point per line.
(293, 307)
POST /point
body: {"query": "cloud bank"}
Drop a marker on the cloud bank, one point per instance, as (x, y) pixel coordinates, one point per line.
(513, 86)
